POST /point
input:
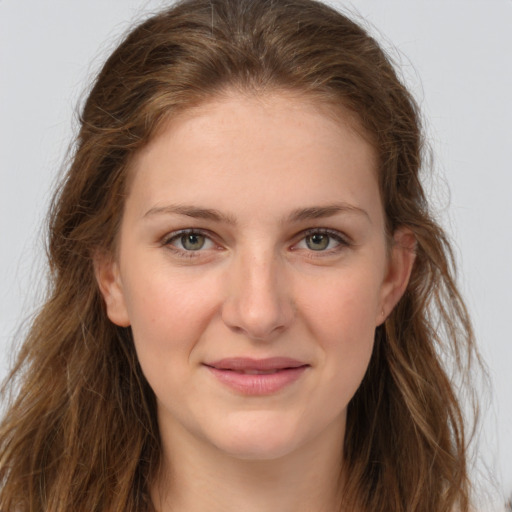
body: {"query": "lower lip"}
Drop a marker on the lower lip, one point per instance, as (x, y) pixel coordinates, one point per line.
(258, 384)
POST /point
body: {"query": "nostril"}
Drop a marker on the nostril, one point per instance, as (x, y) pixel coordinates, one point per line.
(259, 327)
(257, 304)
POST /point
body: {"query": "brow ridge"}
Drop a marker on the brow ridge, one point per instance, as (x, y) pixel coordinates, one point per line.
(298, 215)
(191, 211)
(320, 212)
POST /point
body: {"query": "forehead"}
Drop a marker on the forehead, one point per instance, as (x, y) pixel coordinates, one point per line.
(284, 147)
(266, 108)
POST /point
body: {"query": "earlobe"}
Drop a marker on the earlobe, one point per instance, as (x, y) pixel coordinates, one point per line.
(400, 265)
(106, 270)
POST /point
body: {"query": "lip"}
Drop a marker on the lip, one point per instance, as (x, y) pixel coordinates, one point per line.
(257, 376)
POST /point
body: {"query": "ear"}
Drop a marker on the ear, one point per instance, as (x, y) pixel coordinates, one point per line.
(106, 270)
(400, 264)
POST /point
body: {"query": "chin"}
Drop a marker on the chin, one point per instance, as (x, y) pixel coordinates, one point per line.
(257, 449)
(259, 439)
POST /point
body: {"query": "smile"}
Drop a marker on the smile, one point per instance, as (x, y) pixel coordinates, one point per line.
(256, 372)
(257, 377)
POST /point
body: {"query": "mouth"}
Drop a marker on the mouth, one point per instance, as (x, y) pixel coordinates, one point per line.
(257, 376)
(254, 372)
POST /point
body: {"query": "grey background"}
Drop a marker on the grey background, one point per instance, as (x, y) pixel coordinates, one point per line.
(454, 54)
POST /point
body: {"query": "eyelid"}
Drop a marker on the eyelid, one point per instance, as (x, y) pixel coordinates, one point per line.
(342, 239)
(174, 235)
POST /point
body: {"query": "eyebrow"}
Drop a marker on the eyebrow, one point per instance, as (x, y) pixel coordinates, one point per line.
(298, 215)
(321, 212)
(191, 211)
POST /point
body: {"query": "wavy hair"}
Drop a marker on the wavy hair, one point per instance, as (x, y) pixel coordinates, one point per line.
(80, 432)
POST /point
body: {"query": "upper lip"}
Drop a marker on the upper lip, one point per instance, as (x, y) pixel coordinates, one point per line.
(247, 363)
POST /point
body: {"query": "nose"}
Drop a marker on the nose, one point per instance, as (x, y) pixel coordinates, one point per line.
(258, 302)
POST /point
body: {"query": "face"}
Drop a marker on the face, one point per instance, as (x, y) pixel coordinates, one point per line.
(253, 269)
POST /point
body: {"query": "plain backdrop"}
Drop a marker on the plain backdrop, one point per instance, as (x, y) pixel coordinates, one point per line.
(454, 54)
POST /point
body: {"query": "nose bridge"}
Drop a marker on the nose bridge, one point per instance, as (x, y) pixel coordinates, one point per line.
(258, 302)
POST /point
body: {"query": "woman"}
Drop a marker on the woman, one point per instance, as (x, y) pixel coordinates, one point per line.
(249, 295)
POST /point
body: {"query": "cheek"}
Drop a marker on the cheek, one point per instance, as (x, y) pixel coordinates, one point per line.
(168, 314)
(341, 315)
(345, 303)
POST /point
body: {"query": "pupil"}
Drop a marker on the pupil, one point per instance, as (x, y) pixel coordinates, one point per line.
(317, 242)
(192, 242)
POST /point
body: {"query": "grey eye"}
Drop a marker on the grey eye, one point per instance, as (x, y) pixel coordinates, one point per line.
(193, 241)
(317, 241)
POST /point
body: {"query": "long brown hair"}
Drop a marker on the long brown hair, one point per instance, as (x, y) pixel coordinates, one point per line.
(80, 433)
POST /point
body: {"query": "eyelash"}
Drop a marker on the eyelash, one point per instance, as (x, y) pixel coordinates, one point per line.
(184, 253)
(342, 241)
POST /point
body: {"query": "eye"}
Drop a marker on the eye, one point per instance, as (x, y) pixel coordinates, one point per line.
(321, 240)
(192, 241)
(189, 241)
(318, 241)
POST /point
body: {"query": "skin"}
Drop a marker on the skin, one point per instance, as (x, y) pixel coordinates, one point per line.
(295, 262)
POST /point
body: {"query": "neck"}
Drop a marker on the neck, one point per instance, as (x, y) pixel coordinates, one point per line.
(196, 476)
